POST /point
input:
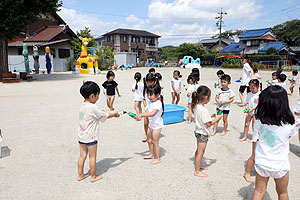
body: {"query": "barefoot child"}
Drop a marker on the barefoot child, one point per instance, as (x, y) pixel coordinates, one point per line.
(88, 130)
(257, 76)
(293, 81)
(138, 88)
(176, 87)
(110, 86)
(224, 97)
(274, 124)
(251, 103)
(203, 121)
(220, 73)
(154, 111)
(193, 85)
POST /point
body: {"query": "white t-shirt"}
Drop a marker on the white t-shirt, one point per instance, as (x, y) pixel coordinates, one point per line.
(246, 74)
(89, 117)
(176, 84)
(155, 122)
(297, 109)
(202, 116)
(224, 95)
(281, 84)
(138, 93)
(257, 76)
(294, 79)
(272, 149)
(252, 100)
(191, 89)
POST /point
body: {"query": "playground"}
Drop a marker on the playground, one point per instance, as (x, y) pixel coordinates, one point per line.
(39, 121)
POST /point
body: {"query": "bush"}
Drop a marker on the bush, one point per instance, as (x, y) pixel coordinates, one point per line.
(70, 63)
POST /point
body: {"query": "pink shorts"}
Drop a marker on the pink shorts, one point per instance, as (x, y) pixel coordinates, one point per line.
(270, 172)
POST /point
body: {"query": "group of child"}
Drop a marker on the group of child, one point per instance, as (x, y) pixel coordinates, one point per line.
(274, 122)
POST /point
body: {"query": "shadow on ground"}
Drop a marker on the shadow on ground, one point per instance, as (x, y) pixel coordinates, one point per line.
(295, 149)
(249, 136)
(206, 162)
(146, 153)
(247, 192)
(57, 77)
(104, 165)
(5, 151)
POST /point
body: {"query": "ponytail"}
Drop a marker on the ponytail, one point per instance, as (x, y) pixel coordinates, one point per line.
(137, 77)
(198, 96)
(163, 105)
(149, 77)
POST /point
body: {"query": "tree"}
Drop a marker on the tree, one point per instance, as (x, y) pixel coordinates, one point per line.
(187, 49)
(15, 14)
(271, 51)
(229, 34)
(289, 32)
(106, 55)
(76, 42)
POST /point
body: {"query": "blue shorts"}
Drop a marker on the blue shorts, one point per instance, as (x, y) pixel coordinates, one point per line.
(89, 144)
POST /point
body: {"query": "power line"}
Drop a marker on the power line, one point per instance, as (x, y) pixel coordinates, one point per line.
(220, 23)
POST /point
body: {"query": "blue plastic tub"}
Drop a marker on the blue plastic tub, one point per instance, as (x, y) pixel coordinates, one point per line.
(173, 113)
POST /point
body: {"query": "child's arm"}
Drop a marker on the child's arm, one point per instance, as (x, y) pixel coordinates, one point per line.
(146, 114)
(228, 102)
(172, 85)
(179, 87)
(217, 100)
(217, 118)
(247, 106)
(112, 113)
(118, 92)
(144, 102)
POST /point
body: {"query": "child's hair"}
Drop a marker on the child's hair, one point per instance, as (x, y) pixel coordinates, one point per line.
(192, 77)
(248, 60)
(156, 89)
(281, 77)
(199, 95)
(255, 70)
(137, 77)
(158, 76)
(274, 74)
(273, 107)
(196, 73)
(254, 82)
(220, 72)
(178, 72)
(226, 77)
(279, 71)
(151, 70)
(109, 74)
(149, 78)
(295, 72)
(88, 88)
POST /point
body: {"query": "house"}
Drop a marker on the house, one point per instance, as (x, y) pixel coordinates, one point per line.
(50, 31)
(296, 52)
(213, 44)
(142, 43)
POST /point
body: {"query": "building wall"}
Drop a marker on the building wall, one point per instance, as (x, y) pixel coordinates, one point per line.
(125, 59)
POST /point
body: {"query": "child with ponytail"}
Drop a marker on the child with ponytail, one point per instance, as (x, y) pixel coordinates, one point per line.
(138, 88)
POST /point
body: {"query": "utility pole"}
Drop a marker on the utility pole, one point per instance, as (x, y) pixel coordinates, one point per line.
(219, 24)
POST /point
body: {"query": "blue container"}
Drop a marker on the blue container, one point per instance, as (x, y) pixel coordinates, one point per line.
(173, 113)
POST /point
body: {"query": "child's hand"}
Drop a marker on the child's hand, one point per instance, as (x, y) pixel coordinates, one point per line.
(138, 117)
(119, 95)
(213, 115)
(117, 114)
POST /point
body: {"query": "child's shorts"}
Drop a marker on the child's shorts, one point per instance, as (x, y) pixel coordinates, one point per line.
(109, 96)
(201, 138)
(89, 144)
(269, 172)
(223, 111)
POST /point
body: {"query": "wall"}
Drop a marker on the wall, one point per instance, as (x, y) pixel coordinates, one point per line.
(125, 59)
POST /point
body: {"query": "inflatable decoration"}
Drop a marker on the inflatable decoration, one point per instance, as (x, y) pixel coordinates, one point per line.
(26, 60)
(35, 56)
(48, 60)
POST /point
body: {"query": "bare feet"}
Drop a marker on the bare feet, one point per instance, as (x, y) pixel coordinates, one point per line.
(204, 168)
(250, 141)
(223, 133)
(189, 122)
(96, 178)
(145, 139)
(155, 161)
(200, 174)
(248, 178)
(83, 176)
(149, 157)
(243, 139)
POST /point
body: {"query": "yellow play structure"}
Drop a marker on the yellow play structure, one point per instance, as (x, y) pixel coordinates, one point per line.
(86, 63)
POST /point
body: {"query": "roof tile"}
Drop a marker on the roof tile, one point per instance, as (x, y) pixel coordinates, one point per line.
(46, 34)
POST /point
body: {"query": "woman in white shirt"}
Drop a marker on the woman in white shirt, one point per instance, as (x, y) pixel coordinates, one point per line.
(247, 73)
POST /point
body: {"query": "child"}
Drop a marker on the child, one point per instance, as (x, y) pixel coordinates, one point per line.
(274, 79)
(203, 121)
(224, 96)
(88, 130)
(154, 111)
(247, 73)
(274, 124)
(152, 70)
(220, 73)
(293, 81)
(149, 80)
(176, 86)
(297, 113)
(158, 76)
(193, 85)
(110, 85)
(196, 73)
(138, 88)
(251, 103)
(257, 76)
(281, 78)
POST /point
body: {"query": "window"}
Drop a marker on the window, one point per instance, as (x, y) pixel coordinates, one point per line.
(63, 53)
(124, 39)
(248, 43)
(254, 42)
(20, 50)
(99, 43)
(135, 39)
(144, 39)
(108, 39)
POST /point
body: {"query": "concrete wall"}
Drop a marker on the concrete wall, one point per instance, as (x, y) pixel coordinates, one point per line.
(125, 59)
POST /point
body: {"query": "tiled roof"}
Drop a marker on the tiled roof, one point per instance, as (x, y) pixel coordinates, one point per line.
(214, 40)
(131, 32)
(254, 33)
(276, 45)
(233, 47)
(46, 34)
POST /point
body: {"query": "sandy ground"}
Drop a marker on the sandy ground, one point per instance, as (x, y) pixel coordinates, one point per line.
(39, 125)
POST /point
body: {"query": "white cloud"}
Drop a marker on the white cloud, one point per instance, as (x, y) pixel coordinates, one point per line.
(136, 23)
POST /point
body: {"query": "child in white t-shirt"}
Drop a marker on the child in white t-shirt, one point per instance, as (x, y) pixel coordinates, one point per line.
(220, 73)
(176, 87)
(281, 80)
(138, 88)
(154, 112)
(203, 121)
(274, 125)
(257, 76)
(88, 130)
(193, 85)
(293, 81)
(224, 97)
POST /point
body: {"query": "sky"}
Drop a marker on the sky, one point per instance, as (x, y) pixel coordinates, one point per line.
(176, 21)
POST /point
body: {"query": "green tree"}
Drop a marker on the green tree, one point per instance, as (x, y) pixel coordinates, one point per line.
(187, 49)
(76, 42)
(15, 14)
(106, 56)
(229, 34)
(271, 51)
(289, 32)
